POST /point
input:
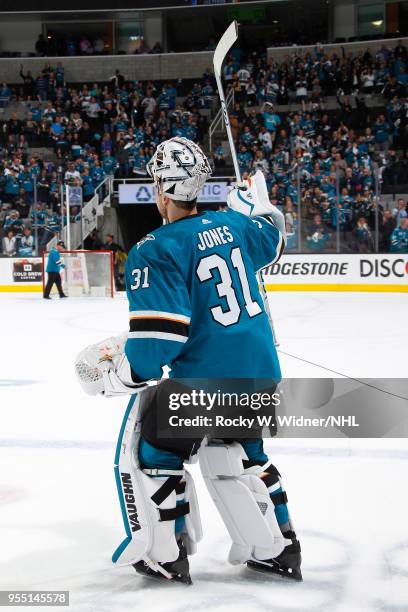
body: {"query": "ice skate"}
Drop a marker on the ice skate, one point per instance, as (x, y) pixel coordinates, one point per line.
(287, 564)
(178, 569)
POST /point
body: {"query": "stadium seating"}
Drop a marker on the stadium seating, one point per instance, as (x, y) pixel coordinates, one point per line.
(328, 129)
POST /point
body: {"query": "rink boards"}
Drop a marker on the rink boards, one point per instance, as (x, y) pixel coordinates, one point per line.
(324, 272)
(293, 272)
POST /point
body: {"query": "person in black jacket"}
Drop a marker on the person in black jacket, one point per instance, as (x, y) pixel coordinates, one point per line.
(387, 226)
(92, 242)
(28, 83)
(110, 245)
(41, 46)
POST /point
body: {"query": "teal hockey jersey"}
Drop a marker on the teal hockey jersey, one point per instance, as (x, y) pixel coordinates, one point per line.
(194, 299)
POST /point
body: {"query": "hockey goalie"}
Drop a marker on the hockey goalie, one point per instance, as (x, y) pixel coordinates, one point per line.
(195, 306)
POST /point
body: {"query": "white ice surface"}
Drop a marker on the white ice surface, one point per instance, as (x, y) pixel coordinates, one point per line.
(59, 515)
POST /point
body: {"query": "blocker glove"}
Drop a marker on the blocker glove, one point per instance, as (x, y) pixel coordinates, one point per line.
(252, 199)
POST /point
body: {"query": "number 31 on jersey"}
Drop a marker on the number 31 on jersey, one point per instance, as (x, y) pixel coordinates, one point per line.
(225, 288)
(140, 278)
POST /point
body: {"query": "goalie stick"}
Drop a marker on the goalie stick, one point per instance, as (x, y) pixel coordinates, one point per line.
(229, 37)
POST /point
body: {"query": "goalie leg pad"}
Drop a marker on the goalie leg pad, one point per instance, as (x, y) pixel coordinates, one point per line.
(151, 502)
(259, 463)
(243, 500)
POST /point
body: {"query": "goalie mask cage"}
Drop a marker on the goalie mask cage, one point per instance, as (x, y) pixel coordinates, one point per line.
(86, 273)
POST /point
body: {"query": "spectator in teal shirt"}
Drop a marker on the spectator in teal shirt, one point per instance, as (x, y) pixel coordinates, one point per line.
(271, 120)
(12, 184)
(109, 163)
(399, 238)
(13, 222)
(98, 173)
(381, 131)
(5, 95)
(318, 235)
(26, 243)
(87, 185)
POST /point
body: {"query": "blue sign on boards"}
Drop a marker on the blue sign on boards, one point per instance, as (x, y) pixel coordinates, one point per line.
(144, 193)
(136, 193)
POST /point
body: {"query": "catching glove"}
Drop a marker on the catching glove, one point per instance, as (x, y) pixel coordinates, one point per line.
(104, 368)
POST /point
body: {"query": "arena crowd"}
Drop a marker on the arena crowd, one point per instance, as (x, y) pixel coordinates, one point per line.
(325, 165)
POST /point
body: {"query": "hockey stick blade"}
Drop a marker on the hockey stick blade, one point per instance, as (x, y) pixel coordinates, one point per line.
(229, 37)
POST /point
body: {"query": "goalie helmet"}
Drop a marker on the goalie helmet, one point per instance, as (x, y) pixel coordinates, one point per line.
(179, 168)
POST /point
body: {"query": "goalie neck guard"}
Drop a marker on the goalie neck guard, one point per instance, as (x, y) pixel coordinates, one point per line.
(179, 168)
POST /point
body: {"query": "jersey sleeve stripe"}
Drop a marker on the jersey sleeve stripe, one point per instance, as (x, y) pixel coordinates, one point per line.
(157, 336)
(267, 218)
(158, 314)
(159, 325)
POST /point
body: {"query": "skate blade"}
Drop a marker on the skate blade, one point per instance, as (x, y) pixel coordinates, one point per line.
(276, 571)
(176, 578)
